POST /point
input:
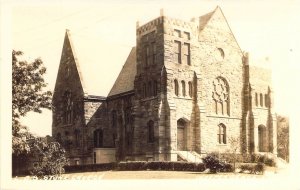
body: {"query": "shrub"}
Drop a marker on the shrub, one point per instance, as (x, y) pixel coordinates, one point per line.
(215, 165)
(258, 168)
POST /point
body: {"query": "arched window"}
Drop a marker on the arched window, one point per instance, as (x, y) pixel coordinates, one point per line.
(176, 87)
(114, 118)
(77, 137)
(149, 89)
(266, 101)
(98, 138)
(262, 138)
(261, 98)
(144, 90)
(155, 88)
(256, 99)
(68, 115)
(221, 97)
(190, 89)
(150, 126)
(222, 134)
(183, 88)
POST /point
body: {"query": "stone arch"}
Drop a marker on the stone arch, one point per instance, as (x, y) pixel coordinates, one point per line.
(182, 125)
(222, 139)
(262, 138)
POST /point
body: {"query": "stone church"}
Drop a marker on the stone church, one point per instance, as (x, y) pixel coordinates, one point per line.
(185, 90)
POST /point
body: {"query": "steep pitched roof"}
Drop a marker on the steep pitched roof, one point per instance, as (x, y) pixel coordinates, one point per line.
(125, 80)
(93, 59)
(204, 19)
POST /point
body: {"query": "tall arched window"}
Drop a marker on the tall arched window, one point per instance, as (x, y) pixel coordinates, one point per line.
(176, 87)
(222, 134)
(262, 138)
(114, 118)
(150, 126)
(144, 90)
(155, 88)
(149, 89)
(221, 97)
(98, 138)
(183, 88)
(77, 137)
(266, 101)
(261, 99)
(68, 115)
(190, 89)
(256, 99)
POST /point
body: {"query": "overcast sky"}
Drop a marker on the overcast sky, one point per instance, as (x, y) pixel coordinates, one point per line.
(264, 28)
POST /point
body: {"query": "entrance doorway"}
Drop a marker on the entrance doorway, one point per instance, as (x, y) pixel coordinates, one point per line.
(181, 134)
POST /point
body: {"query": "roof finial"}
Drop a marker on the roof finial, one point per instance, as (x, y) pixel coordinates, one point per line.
(161, 12)
(137, 24)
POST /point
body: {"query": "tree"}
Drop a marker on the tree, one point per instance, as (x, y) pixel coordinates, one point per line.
(27, 95)
(51, 159)
(283, 137)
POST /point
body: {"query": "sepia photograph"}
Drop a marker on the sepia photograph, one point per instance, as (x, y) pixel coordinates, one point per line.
(149, 94)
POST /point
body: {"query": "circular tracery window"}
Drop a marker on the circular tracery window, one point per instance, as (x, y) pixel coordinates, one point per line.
(220, 92)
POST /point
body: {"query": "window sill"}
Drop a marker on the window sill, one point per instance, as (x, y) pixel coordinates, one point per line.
(261, 108)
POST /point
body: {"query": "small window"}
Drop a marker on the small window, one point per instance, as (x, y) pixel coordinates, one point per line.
(256, 99)
(176, 87)
(144, 90)
(221, 51)
(261, 100)
(186, 53)
(266, 101)
(150, 131)
(98, 138)
(178, 51)
(186, 35)
(190, 89)
(155, 88)
(114, 118)
(149, 89)
(222, 134)
(183, 88)
(177, 33)
(153, 52)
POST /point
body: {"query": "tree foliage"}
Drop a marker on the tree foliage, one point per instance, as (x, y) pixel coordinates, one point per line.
(283, 137)
(27, 95)
(51, 159)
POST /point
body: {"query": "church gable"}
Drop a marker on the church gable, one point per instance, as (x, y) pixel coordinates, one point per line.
(68, 93)
(125, 80)
(214, 28)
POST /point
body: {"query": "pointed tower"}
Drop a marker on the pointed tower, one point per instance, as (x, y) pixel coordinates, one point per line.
(68, 100)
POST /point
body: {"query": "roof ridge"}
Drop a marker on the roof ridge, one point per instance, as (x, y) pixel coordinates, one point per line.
(68, 35)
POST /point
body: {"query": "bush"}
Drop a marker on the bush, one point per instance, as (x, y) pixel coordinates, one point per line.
(138, 166)
(215, 165)
(258, 168)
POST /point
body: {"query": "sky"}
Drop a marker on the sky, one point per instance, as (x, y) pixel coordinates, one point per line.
(263, 28)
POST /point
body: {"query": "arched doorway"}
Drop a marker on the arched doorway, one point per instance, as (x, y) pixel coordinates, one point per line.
(262, 138)
(181, 134)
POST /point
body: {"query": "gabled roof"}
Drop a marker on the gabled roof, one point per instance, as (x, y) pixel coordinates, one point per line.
(93, 59)
(125, 80)
(204, 19)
